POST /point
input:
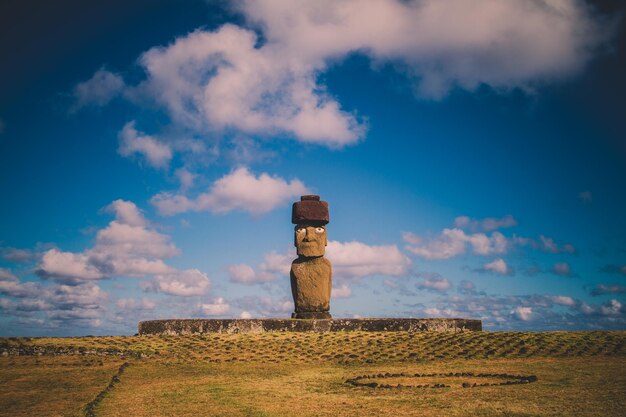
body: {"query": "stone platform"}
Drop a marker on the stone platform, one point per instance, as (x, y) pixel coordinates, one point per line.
(194, 326)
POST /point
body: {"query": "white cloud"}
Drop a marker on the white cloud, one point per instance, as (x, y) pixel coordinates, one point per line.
(266, 306)
(157, 153)
(278, 263)
(85, 296)
(185, 283)
(434, 282)
(127, 212)
(485, 225)
(343, 291)
(129, 247)
(432, 311)
(186, 178)
(217, 308)
(450, 243)
(10, 285)
(68, 266)
(239, 190)
(229, 79)
(612, 308)
(523, 313)
(545, 244)
(274, 265)
(563, 300)
(126, 304)
(356, 259)
(601, 289)
(454, 242)
(99, 90)
(6, 275)
(441, 43)
(244, 274)
(498, 266)
(245, 315)
(467, 287)
(219, 80)
(562, 268)
(17, 255)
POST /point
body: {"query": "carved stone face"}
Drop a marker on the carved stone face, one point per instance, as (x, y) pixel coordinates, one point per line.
(310, 240)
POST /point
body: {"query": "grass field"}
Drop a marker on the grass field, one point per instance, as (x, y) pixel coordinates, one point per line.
(292, 374)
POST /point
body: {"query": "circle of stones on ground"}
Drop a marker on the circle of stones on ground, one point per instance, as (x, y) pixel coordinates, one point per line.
(362, 380)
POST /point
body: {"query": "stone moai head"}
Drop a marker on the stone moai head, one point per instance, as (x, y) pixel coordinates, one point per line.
(310, 215)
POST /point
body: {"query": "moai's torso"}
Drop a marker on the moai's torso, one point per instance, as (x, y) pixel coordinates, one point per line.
(311, 284)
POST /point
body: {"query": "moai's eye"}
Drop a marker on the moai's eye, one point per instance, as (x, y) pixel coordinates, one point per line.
(319, 230)
(300, 230)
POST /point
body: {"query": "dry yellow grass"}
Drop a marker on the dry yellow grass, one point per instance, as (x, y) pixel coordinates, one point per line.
(51, 386)
(292, 374)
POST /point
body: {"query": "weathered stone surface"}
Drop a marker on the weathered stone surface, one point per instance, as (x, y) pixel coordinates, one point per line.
(311, 315)
(311, 273)
(311, 284)
(310, 209)
(193, 326)
(310, 240)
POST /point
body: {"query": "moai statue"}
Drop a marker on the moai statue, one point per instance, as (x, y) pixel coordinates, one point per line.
(311, 273)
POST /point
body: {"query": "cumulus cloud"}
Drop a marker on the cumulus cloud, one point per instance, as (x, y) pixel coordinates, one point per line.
(563, 300)
(442, 44)
(265, 306)
(129, 246)
(10, 285)
(274, 265)
(126, 247)
(544, 244)
(523, 313)
(155, 152)
(484, 225)
(218, 307)
(612, 308)
(130, 304)
(434, 282)
(68, 266)
(601, 289)
(467, 287)
(498, 266)
(548, 312)
(186, 283)
(343, 291)
(17, 255)
(99, 90)
(222, 79)
(186, 178)
(454, 242)
(244, 274)
(232, 79)
(6, 275)
(356, 259)
(240, 190)
(75, 305)
(562, 269)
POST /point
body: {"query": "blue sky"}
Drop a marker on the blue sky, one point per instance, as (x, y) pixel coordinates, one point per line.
(472, 154)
